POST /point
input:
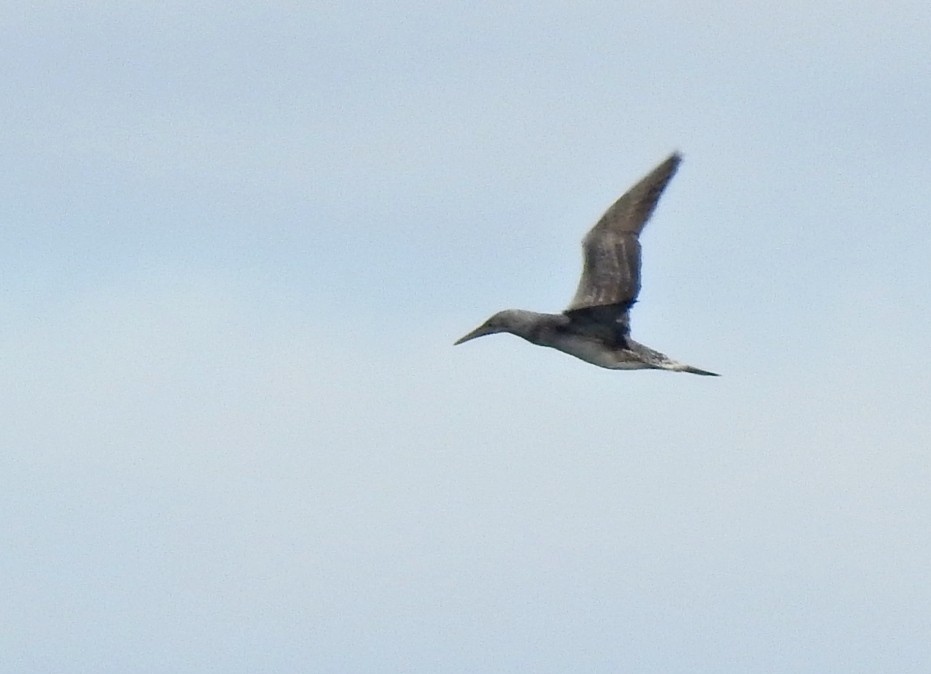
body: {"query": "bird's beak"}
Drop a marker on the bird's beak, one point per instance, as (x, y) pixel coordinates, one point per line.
(480, 331)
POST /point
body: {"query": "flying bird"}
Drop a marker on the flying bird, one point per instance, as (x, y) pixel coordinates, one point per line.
(596, 325)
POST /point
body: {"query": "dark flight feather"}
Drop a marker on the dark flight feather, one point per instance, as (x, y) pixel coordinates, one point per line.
(610, 279)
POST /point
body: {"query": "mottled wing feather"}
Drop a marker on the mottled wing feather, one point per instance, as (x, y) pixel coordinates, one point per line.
(611, 271)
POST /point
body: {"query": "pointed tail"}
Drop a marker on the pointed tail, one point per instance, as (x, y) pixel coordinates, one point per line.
(695, 370)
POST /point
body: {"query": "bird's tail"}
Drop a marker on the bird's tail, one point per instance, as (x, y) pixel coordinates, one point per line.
(682, 367)
(663, 362)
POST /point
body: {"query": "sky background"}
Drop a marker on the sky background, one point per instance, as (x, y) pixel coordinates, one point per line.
(237, 242)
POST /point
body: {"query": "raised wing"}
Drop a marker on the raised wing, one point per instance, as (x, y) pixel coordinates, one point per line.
(611, 270)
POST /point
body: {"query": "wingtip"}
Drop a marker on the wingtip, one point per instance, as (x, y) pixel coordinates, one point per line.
(659, 177)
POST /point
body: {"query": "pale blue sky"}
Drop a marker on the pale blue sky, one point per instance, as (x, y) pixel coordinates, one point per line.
(237, 241)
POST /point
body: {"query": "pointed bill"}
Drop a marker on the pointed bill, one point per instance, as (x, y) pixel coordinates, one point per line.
(480, 331)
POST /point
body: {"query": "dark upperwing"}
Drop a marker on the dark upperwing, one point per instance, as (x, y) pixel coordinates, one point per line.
(611, 269)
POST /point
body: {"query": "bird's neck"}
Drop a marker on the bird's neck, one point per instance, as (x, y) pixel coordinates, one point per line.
(535, 327)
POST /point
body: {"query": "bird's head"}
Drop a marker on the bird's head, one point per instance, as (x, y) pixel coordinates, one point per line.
(509, 320)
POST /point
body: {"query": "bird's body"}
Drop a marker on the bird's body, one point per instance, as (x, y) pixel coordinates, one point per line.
(560, 332)
(596, 326)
